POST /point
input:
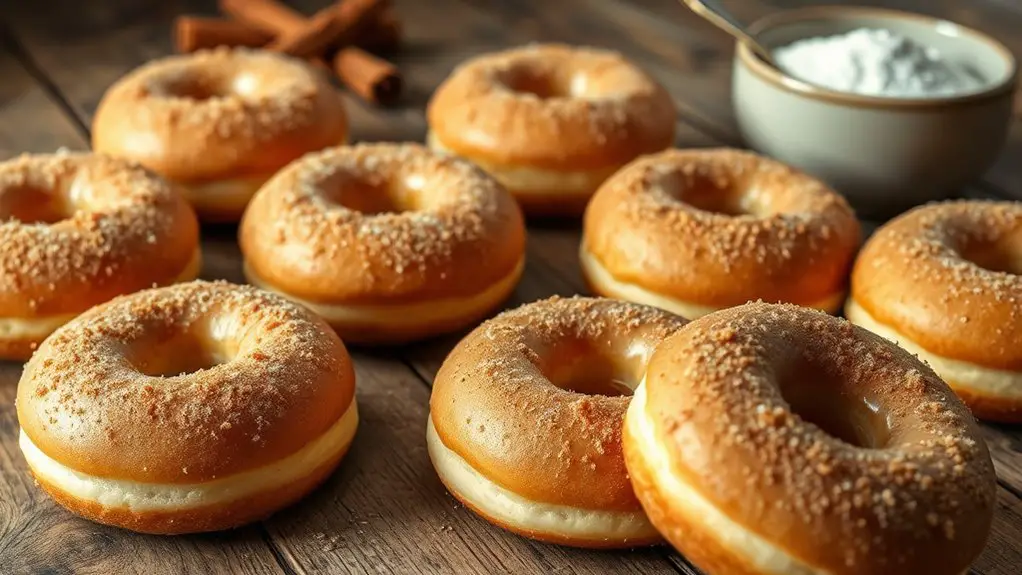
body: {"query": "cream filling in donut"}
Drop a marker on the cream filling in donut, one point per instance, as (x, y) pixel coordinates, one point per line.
(759, 553)
(603, 281)
(404, 315)
(38, 328)
(528, 515)
(971, 377)
(141, 497)
(525, 180)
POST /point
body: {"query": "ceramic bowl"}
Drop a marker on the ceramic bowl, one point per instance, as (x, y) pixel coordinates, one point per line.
(884, 154)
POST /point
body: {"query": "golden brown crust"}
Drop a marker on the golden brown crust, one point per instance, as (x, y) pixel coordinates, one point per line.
(196, 520)
(797, 246)
(914, 275)
(988, 407)
(459, 233)
(219, 114)
(282, 379)
(19, 349)
(494, 404)
(124, 230)
(602, 111)
(919, 493)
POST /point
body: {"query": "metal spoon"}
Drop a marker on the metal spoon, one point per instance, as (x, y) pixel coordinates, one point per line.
(719, 16)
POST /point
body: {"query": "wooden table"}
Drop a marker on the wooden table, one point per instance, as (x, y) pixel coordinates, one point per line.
(384, 511)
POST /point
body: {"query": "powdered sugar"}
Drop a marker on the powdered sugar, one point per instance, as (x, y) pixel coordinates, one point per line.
(877, 62)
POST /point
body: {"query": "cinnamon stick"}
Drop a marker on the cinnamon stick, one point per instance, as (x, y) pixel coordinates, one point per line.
(193, 33)
(372, 78)
(339, 25)
(265, 15)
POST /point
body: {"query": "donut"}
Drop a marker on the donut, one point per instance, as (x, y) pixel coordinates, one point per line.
(526, 414)
(695, 231)
(78, 229)
(388, 242)
(196, 407)
(218, 123)
(775, 439)
(550, 121)
(943, 282)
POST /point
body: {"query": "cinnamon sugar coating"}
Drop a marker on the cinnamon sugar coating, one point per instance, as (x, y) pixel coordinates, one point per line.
(552, 106)
(279, 378)
(720, 227)
(913, 493)
(114, 229)
(219, 114)
(946, 275)
(496, 400)
(446, 229)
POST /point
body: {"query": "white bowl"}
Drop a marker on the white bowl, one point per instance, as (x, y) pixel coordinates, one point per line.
(884, 154)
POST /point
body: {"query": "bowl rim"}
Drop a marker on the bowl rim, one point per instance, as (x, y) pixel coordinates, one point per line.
(789, 83)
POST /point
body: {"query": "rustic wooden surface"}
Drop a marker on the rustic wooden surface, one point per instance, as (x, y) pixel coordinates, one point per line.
(384, 511)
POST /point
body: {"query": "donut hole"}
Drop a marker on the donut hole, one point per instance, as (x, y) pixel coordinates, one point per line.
(589, 368)
(31, 204)
(1003, 256)
(707, 194)
(537, 82)
(824, 399)
(179, 354)
(196, 86)
(370, 197)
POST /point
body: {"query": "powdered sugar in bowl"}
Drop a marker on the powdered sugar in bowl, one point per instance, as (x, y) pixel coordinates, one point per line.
(892, 109)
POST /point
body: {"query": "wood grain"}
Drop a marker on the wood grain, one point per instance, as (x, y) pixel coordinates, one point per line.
(384, 511)
(37, 536)
(384, 508)
(32, 122)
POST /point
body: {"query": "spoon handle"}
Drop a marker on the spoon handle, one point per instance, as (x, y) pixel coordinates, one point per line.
(719, 15)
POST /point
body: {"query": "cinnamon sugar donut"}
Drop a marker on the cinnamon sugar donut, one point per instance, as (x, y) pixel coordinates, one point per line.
(78, 229)
(774, 439)
(388, 242)
(693, 231)
(191, 408)
(943, 282)
(550, 122)
(525, 419)
(219, 123)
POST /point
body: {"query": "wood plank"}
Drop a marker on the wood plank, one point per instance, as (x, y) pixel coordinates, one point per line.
(383, 415)
(36, 535)
(1003, 554)
(31, 120)
(384, 509)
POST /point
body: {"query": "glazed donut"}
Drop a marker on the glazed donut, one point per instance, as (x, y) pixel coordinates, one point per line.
(694, 231)
(775, 439)
(388, 242)
(78, 229)
(943, 282)
(550, 122)
(219, 123)
(525, 419)
(190, 408)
